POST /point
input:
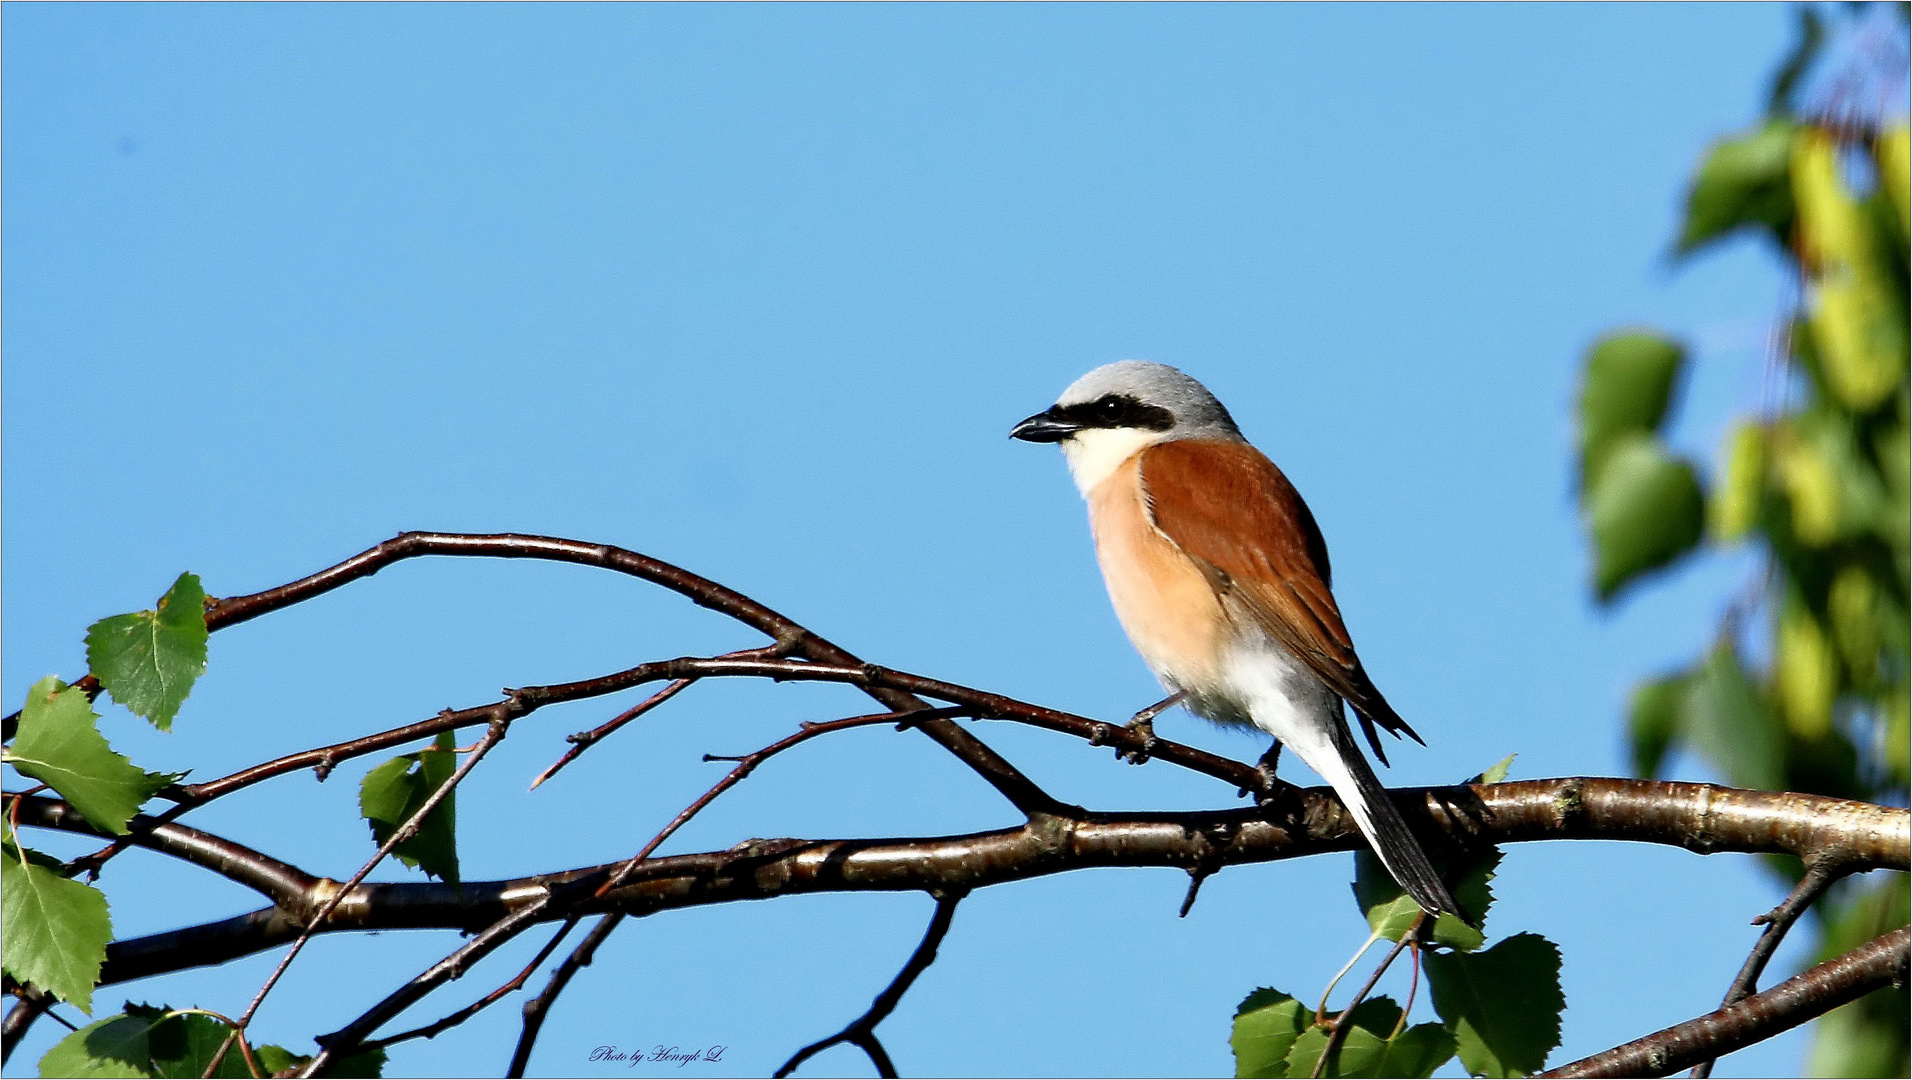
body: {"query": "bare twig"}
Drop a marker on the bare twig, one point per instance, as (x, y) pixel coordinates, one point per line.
(517, 981)
(749, 762)
(584, 740)
(539, 1007)
(1870, 967)
(861, 1032)
(348, 1038)
(1338, 1034)
(1821, 873)
(399, 835)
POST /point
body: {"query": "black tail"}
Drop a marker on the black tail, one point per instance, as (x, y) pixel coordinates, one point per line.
(1389, 836)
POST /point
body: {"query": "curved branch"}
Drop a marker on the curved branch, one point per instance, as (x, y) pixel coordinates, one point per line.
(1022, 792)
(1698, 817)
(1880, 963)
(1821, 874)
(861, 1032)
(282, 883)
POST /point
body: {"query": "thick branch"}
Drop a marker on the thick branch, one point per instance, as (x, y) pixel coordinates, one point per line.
(279, 882)
(1870, 967)
(1699, 817)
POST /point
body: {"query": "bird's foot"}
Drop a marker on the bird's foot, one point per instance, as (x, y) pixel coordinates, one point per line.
(1144, 726)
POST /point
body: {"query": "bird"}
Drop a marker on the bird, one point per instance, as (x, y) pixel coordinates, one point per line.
(1219, 574)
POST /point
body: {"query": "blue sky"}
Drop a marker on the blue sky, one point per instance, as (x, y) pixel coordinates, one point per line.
(760, 290)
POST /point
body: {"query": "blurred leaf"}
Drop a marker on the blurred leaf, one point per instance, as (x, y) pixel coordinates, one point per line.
(1805, 672)
(1856, 608)
(1743, 182)
(53, 931)
(394, 791)
(1267, 1022)
(1391, 912)
(59, 744)
(1628, 385)
(1812, 36)
(1646, 510)
(1655, 721)
(1894, 150)
(1503, 1005)
(148, 660)
(1742, 486)
(1369, 1051)
(1860, 334)
(1728, 723)
(1898, 733)
(1867, 1037)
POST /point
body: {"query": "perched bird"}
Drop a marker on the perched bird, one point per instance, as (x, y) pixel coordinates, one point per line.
(1220, 576)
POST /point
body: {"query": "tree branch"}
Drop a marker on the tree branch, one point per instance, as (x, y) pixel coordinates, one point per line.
(1698, 817)
(861, 1032)
(279, 882)
(1821, 873)
(1870, 967)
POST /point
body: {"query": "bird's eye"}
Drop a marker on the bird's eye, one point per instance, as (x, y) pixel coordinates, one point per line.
(1109, 409)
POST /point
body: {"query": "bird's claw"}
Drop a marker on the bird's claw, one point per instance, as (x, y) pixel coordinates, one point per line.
(1144, 726)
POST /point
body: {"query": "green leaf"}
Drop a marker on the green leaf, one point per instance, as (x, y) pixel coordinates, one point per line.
(365, 1063)
(1267, 1022)
(1495, 773)
(1743, 182)
(53, 931)
(145, 1041)
(1646, 510)
(394, 791)
(1391, 912)
(1368, 1050)
(1629, 384)
(1732, 726)
(1503, 1005)
(1418, 1051)
(1742, 487)
(60, 745)
(1654, 721)
(148, 660)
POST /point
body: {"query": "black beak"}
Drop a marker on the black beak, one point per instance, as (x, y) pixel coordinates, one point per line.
(1044, 427)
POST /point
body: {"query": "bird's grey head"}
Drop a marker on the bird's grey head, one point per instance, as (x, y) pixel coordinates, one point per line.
(1104, 417)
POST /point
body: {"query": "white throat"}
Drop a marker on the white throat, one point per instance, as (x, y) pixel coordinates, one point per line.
(1094, 453)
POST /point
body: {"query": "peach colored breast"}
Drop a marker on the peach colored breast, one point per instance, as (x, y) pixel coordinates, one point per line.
(1170, 611)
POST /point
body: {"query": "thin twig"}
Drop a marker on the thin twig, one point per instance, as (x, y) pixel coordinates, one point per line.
(749, 762)
(861, 1032)
(1339, 1033)
(399, 835)
(348, 1038)
(1821, 873)
(517, 981)
(539, 1007)
(583, 740)
(1872, 966)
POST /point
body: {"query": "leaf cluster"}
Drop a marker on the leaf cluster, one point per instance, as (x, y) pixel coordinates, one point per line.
(56, 928)
(1805, 686)
(1499, 1007)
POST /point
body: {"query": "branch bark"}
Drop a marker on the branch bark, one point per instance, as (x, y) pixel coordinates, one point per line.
(1701, 818)
(1872, 966)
